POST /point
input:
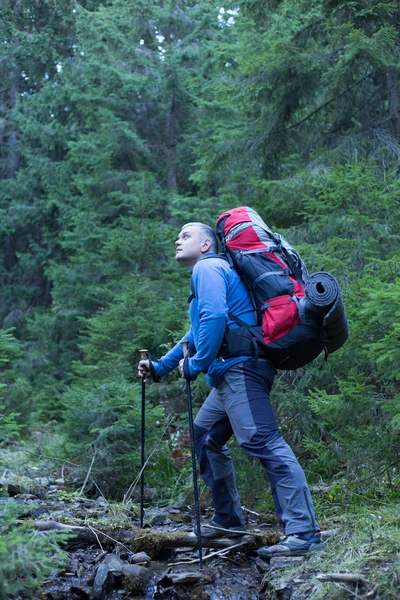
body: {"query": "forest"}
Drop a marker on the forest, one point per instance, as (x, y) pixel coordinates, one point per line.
(122, 121)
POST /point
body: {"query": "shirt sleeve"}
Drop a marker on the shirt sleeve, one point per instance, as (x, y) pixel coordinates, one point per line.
(170, 361)
(210, 288)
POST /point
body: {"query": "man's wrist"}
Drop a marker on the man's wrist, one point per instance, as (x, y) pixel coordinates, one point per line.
(186, 370)
(154, 375)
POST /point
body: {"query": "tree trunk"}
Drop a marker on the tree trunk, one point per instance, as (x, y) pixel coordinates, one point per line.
(394, 98)
(170, 132)
(13, 156)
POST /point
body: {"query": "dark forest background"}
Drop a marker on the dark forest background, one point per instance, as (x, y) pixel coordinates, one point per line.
(119, 122)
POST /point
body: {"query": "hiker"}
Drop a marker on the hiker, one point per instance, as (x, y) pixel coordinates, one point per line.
(238, 403)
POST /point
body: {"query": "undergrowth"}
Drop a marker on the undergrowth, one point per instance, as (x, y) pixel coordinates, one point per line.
(366, 543)
(27, 556)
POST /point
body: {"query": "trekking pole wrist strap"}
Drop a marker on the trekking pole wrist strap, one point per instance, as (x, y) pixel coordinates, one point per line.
(154, 375)
(186, 371)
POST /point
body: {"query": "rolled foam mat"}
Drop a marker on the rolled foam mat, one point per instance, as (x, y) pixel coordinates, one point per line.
(324, 297)
(322, 290)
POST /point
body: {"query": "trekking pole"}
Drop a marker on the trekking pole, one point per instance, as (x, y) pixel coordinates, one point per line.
(144, 355)
(185, 347)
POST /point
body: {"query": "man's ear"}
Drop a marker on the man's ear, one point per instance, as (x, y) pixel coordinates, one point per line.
(206, 245)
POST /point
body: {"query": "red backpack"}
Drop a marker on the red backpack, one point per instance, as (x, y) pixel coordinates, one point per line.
(291, 330)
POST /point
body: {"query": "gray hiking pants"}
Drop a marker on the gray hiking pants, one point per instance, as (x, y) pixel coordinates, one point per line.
(241, 405)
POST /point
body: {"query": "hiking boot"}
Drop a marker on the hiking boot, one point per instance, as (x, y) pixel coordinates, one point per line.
(296, 544)
(207, 532)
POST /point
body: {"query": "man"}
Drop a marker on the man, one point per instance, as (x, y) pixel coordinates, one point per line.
(238, 402)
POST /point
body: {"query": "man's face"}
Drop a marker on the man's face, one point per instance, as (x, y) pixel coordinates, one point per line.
(190, 246)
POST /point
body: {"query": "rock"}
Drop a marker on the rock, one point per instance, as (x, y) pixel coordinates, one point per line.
(276, 588)
(105, 575)
(79, 592)
(112, 570)
(59, 481)
(182, 577)
(113, 563)
(72, 566)
(101, 502)
(135, 578)
(140, 557)
(14, 489)
(102, 582)
(283, 562)
(159, 520)
(28, 498)
(180, 518)
(43, 481)
(262, 566)
(35, 513)
(135, 570)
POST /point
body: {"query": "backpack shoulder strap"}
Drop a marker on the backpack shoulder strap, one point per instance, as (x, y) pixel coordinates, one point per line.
(208, 255)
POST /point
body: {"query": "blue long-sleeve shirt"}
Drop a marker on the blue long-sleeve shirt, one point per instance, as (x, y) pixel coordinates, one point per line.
(217, 289)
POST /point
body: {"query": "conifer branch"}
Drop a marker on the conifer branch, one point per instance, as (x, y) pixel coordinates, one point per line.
(324, 105)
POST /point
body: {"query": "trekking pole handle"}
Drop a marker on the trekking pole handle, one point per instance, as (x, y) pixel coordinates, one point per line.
(144, 354)
(185, 348)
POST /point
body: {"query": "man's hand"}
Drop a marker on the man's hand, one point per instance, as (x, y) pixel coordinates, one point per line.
(180, 367)
(188, 377)
(144, 370)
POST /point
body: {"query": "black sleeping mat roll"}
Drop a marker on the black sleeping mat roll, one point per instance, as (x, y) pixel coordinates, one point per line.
(322, 290)
(324, 297)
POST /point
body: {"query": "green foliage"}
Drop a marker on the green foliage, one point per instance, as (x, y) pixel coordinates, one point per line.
(8, 424)
(8, 350)
(8, 347)
(102, 427)
(365, 541)
(27, 557)
(120, 122)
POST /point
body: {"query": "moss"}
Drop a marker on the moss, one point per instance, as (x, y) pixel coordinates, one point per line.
(268, 517)
(67, 495)
(133, 584)
(109, 523)
(268, 538)
(180, 518)
(391, 519)
(153, 542)
(22, 484)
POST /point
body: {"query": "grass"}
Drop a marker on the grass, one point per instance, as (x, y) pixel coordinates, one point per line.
(366, 542)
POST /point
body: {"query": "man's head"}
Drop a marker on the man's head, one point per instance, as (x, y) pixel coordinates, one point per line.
(194, 241)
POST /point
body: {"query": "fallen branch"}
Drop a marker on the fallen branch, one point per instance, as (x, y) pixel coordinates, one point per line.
(238, 531)
(328, 533)
(88, 474)
(250, 512)
(97, 538)
(152, 540)
(221, 553)
(82, 533)
(59, 460)
(96, 531)
(343, 578)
